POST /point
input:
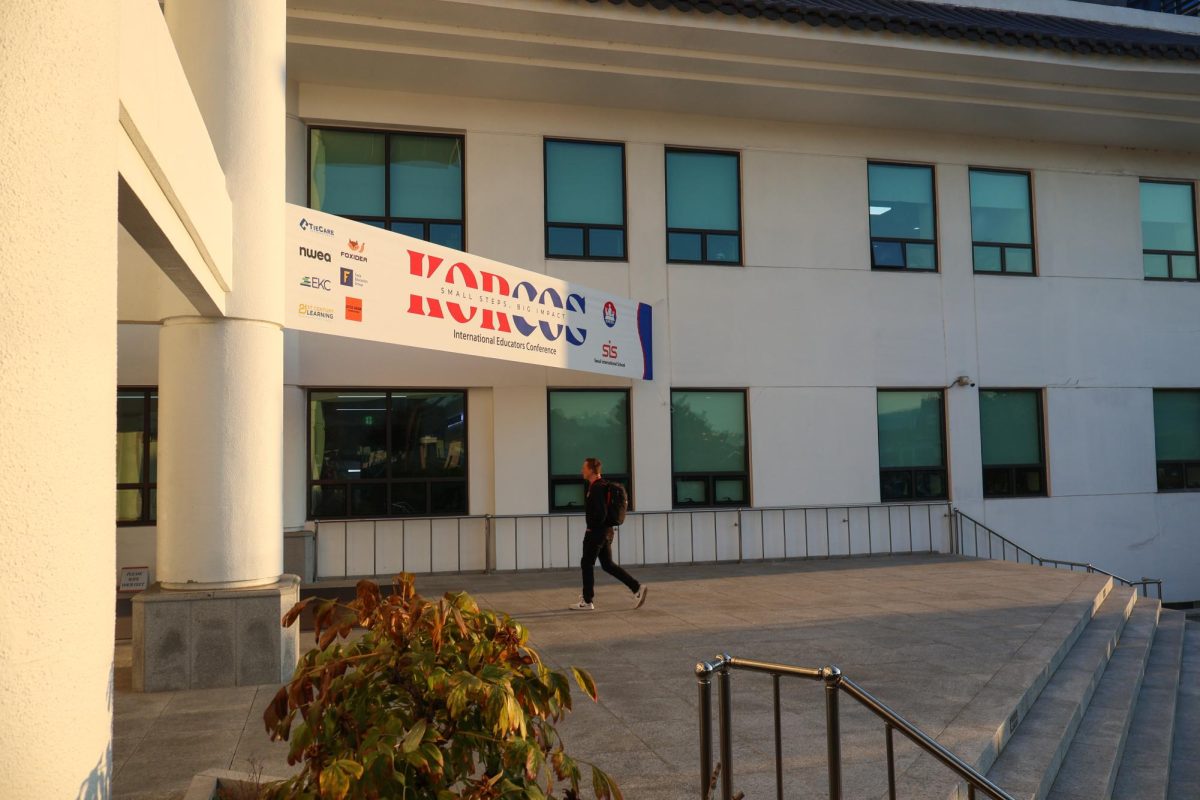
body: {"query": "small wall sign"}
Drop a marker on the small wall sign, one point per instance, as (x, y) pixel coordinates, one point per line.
(133, 579)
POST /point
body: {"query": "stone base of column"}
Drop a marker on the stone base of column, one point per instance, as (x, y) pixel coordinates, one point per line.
(201, 639)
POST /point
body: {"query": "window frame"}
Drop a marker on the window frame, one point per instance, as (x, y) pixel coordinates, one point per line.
(710, 478)
(146, 485)
(624, 478)
(585, 227)
(387, 219)
(1004, 246)
(1040, 394)
(913, 471)
(703, 232)
(388, 481)
(1183, 465)
(935, 241)
(1170, 254)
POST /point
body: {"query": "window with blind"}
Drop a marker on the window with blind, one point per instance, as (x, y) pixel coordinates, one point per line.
(1002, 222)
(585, 200)
(703, 207)
(903, 217)
(1168, 231)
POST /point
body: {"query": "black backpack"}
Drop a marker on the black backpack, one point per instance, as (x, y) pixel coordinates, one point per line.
(616, 503)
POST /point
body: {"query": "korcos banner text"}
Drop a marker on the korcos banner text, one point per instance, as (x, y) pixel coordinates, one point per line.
(345, 278)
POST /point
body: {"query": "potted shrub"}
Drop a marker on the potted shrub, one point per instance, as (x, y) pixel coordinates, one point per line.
(437, 699)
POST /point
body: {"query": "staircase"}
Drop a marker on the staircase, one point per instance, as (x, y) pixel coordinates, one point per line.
(1116, 714)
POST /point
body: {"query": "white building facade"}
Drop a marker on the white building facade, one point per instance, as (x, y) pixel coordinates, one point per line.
(823, 343)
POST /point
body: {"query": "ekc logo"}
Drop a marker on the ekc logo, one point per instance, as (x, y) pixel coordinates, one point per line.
(312, 227)
(314, 282)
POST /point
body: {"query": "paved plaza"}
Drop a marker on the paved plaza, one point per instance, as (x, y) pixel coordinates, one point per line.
(951, 644)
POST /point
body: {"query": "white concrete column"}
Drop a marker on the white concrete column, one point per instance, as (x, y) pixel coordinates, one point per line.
(295, 458)
(58, 95)
(221, 381)
(220, 431)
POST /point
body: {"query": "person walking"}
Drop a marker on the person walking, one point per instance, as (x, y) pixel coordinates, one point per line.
(597, 541)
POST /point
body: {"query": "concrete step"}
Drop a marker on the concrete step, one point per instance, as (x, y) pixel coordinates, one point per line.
(1089, 770)
(980, 731)
(1027, 767)
(1147, 759)
(1185, 754)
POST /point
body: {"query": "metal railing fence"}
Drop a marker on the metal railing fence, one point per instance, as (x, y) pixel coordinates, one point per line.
(835, 682)
(997, 547)
(378, 546)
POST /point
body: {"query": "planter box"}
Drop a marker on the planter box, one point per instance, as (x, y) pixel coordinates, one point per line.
(208, 785)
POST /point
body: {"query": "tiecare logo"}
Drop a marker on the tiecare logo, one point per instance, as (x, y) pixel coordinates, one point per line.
(319, 255)
(315, 282)
(312, 227)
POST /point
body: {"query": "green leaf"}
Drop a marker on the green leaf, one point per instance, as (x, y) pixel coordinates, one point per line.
(586, 682)
(604, 786)
(412, 739)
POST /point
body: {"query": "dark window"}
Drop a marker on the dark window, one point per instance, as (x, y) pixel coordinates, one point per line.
(137, 456)
(1014, 457)
(912, 452)
(1002, 222)
(1168, 231)
(585, 423)
(399, 453)
(585, 200)
(903, 217)
(710, 454)
(1177, 438)
(410, 183)
(703, 207)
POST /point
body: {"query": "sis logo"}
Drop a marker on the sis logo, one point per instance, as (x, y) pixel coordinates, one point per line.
(610, 314)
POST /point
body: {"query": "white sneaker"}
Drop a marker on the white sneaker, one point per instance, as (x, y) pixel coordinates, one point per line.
(639, 597)
(582, 606)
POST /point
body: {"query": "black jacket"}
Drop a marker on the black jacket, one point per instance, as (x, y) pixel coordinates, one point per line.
(595, 506)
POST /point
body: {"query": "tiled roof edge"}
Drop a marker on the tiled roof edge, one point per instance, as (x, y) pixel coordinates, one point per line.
(982, 25)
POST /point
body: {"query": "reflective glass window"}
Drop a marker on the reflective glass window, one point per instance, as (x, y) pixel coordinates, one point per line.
(703, 199)
(387, 453)
(1177, 438)
(902, 216)
(912, 456)
(1168, 230)
(709, 447)
(137, 455)
(585, 193)
(586, 423)
(1010, 423)
(1002, 221)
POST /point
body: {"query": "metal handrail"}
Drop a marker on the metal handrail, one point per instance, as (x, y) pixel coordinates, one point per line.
(834, 682)
(958, 541)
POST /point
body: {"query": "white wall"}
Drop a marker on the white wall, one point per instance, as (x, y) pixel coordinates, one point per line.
(812, 332)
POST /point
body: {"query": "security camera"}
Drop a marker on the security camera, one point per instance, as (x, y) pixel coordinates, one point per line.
(964, 380)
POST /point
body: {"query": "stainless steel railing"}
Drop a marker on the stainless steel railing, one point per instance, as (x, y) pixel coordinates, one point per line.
(997, 547)
(835, 682)
(359, 547)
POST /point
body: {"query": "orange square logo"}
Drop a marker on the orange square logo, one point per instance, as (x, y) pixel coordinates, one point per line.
(354, 309)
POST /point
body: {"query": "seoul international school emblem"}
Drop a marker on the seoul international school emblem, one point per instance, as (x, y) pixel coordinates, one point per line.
(610, 314)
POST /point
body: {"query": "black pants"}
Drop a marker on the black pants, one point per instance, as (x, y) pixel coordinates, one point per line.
(599, 544)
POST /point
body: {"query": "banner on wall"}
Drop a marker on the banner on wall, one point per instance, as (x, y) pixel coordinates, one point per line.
(350, 279)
